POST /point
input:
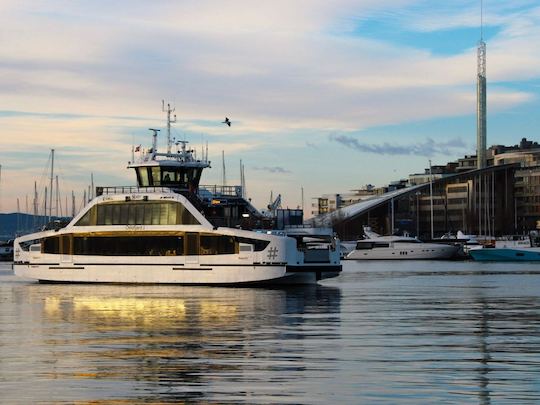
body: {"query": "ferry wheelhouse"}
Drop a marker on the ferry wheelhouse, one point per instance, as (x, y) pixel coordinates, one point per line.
(169, 229)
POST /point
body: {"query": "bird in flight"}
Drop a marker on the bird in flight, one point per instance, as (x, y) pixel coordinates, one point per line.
(227, 121)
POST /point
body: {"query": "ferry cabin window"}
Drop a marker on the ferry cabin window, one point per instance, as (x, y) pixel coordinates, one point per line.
(138, 213)
(129, 246)
(190, 243)
(51, 245)
(217, 244)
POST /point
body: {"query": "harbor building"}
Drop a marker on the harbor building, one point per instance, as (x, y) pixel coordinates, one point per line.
(330, 202)
(480, 201)
(502, 198)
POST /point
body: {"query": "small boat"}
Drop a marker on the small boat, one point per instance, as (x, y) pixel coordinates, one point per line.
(377, 247)
(508, 249)
(6, 250)
(506, 254)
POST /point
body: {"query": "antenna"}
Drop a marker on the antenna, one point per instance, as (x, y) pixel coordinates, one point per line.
(154, 140)
(169, 122)
(481, 20)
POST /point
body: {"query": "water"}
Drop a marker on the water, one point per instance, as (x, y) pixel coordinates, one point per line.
(383, 332)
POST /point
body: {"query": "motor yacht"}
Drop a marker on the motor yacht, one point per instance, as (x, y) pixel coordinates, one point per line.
(377, 247)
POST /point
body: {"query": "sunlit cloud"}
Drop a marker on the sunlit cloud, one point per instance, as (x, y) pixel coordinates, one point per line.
(87, 78)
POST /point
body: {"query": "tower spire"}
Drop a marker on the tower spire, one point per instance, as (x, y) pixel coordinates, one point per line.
(481, 99)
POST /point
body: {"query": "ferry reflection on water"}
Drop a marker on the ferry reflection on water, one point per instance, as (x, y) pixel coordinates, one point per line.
(172, 347)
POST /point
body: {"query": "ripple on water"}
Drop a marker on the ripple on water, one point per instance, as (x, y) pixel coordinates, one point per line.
(420, 332)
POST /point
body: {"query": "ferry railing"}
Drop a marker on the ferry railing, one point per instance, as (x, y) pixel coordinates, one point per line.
(225, 191)
(204, 190)
(133, 190)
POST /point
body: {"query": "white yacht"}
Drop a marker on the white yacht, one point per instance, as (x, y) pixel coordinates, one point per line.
(170, 230)
(377, 247)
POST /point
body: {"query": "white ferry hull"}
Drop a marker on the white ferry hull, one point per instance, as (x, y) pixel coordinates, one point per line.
(145, 274)
(437, 252)
(142, 274)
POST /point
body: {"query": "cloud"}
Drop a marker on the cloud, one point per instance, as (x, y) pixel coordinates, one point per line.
(76, 74)
(273, 169)
(427, 148)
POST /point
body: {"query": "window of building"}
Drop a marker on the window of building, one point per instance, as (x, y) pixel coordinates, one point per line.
(461, 189)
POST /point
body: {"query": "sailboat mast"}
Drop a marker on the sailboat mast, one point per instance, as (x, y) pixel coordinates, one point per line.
(91, 193)
(72, 204)
(431, 196)
(35, 205)
(45, 205)
(57, 196)
(51, 184)
(224, 176)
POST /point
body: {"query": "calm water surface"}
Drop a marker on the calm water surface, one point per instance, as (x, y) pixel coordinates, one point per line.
(383, 332)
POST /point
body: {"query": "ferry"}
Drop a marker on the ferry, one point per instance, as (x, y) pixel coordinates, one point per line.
(377, 247)
(168, 229)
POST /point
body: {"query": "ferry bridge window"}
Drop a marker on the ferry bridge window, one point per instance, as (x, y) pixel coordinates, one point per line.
(169, 177)
(142, 174)
(138, 213)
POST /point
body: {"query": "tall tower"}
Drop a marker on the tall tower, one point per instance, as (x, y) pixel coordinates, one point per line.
(481, 105)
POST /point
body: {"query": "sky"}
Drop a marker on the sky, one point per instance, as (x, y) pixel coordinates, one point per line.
(323, 96)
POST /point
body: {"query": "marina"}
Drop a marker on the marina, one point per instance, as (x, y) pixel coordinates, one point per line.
(377, 240)
(383, 332)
